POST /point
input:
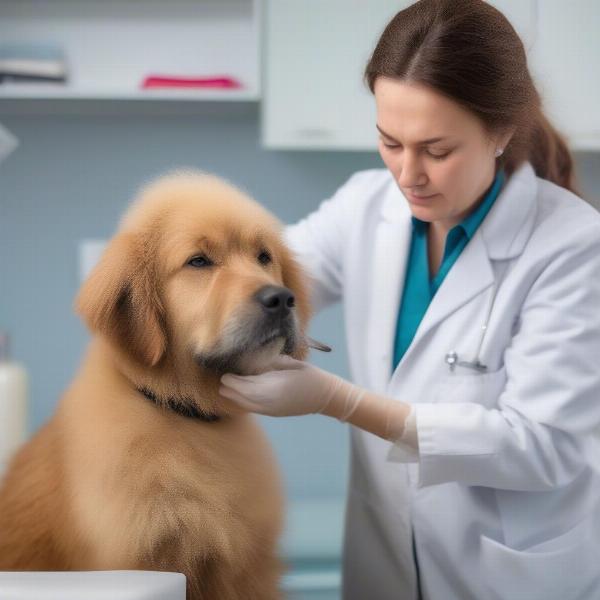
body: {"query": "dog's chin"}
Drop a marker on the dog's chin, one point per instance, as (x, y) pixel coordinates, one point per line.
(250, 362)
(258, 361)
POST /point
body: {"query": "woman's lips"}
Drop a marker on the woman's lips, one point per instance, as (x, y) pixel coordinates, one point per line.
(419, 199)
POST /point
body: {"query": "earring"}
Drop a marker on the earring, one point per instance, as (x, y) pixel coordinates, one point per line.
(498, 152)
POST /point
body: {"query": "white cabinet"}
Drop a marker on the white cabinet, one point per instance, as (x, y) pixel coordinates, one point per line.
(314, 57)
(523, 16)
(314, 54)
(564, 62)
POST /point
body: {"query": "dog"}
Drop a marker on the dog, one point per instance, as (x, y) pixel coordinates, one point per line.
(144, 465)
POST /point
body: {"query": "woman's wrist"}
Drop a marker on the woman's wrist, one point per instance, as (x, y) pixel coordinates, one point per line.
(341, 398)
(380, 415)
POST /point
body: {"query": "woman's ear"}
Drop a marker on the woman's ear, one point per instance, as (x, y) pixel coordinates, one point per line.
(505, 137)
(296, 280)
(120, 300)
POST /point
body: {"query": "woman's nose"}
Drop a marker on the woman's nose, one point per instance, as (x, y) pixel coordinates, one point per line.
(410, 173)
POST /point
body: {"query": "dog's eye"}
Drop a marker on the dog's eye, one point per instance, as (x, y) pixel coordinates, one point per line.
(199, 261)
(264, 258)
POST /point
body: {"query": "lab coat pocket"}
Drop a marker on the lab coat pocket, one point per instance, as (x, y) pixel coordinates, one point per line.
(480, 388)
(563, 567)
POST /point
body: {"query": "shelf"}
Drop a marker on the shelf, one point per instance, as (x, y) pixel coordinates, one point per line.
(57, 92)
(111, 46)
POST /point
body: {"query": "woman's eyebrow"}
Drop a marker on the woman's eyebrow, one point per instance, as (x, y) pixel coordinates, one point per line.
(429, 141)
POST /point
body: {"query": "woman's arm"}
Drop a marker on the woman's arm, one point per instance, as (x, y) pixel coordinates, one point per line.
(319, 241)
(545, 428)
(295, 388)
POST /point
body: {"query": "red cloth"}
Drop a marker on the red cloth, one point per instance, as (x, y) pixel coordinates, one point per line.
(161, 81)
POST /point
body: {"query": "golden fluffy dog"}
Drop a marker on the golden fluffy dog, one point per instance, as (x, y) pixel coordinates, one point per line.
(144, 465)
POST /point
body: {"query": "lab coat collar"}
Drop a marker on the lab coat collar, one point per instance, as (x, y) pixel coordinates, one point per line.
(502, 235)
(508, 225)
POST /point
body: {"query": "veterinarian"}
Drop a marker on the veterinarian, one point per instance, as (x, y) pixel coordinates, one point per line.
(469, 272)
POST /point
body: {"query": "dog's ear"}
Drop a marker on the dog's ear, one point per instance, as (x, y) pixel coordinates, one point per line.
(295, 279)
(120, 300)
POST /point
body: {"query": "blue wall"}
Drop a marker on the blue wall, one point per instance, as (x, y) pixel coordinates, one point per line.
(72, 177)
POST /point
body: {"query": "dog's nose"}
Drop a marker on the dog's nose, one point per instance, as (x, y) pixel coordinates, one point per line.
(275, 300)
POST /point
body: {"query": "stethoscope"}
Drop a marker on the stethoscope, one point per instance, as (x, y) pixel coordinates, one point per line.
(452, 357)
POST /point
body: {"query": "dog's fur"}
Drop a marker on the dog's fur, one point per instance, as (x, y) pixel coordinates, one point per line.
(116, 481)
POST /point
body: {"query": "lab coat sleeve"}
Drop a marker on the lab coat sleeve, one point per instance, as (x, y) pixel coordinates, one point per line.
(545, 427)
(318, 243)
(406, 449)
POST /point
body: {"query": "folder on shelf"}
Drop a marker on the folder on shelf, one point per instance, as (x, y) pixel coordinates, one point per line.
(32, 62)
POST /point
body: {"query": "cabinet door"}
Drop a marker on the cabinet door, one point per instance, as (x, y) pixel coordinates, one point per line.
(564, 63)
(523, 16)
(315, 53)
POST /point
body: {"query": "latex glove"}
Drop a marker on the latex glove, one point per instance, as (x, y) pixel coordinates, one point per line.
(292, 388)
(297, 388)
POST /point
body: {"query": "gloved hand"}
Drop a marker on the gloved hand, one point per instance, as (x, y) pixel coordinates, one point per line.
(293, 388)
(297, 388)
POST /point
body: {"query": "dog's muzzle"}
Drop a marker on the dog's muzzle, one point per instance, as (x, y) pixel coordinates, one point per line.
(276, 303)
(272, 319)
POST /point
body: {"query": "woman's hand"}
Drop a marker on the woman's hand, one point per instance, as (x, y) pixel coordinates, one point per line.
(293, 388)
(299, 388)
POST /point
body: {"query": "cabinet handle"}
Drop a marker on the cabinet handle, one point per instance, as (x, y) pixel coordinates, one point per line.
(314, 132)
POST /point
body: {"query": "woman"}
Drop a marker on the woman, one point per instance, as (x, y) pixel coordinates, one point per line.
(470, 276)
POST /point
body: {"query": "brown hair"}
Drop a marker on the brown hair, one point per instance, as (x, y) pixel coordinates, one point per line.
(469, 51)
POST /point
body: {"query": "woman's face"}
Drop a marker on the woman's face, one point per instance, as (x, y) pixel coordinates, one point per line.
(442, 179)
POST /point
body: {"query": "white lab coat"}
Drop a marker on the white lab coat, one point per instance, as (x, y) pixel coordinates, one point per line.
(504, 502)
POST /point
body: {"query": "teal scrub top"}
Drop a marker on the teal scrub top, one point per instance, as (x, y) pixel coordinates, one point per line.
(419, 287)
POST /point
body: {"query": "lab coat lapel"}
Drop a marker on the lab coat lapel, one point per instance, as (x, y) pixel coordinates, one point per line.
(502, 235)
(391, 247)
(469, 276)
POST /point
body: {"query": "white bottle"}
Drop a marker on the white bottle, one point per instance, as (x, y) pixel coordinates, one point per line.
(13, 404)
